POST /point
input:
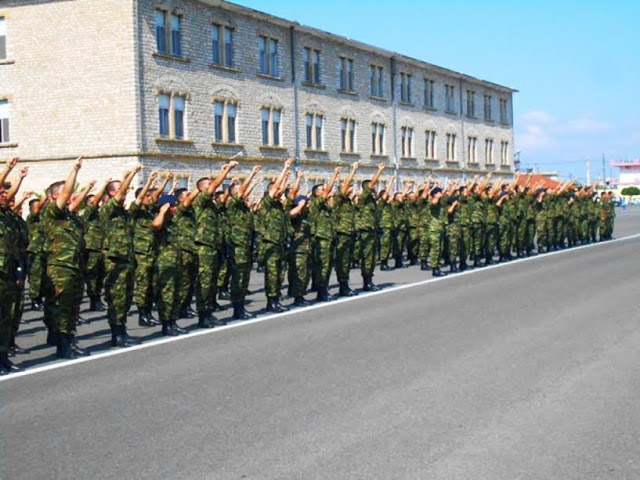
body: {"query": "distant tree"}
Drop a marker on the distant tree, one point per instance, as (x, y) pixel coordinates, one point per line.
(630, 191)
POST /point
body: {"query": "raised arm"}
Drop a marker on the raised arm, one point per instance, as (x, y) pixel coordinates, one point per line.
(281, 177)
(23, 197)
(346, 184)
(100, 193)
(10, 165)
(11, 194)
(126, 183)
(293, 193)
(158, 221)
(158, 192)
(331, 183)
(247, 181)
(79, 199)
(376, 177)
(69, 183)
(224, 171)
(146, 187)
(190, 198)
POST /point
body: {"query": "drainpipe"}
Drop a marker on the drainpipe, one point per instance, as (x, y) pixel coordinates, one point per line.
(296, 129)
(464, 167)
(394, 121)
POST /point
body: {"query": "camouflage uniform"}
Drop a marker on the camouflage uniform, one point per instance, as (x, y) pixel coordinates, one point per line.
(19, 226)
(208, 245)
(437, 227)
(185, 220)
(478, 226)
(344, 216)
(491, 241)
(367, 225)
(144, 247)
(506, 225)
(36, 256)
(300, 260)
(323, 234)
(424, 212)
(413, 224)
(119, 261)
(387, 227)
(8, 266)
(93, 236)
(240, 230)
(274, 237)
(167, 270)
(400, 230)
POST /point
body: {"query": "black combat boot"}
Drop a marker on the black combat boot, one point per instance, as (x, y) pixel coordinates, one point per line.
(384, 266)
(37, 305)
(64, 348)
(324, 295)
(223, 294)
(217, 307)
(300, 302)
(239, 312)
(424, 266)
(206, 320)
(151, 319)
(477, 263)
(414, 261)
(178, 328)
(273, 305)
(96, 305)
(454, 268)
(73, 343)
(7, 366)
(463, 266)
(355, 264)
(436, 272)
(369, 286)
(168, 330)
(188, 312)
(345, 291)
(16, 349)
(399, 263)
(144, 318)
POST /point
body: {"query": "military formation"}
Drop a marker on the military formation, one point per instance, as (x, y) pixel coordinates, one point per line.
(170, 246)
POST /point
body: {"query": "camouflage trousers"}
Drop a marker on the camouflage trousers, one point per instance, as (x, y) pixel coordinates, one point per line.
(94, 273)
(413, 244)
(224, 275)
(273, 255)
(520, 235)
(386, 243)
(145, 264)
(530, 235)
(322, 257)
(206, 284)
(478, 235)
(506, 237)
(356, 249)
(6, 291)
(166, 276)
(399, 241)
(299, 272)
(424, 244)
(344, 245)
(239, 258)
(436, 240)
(17, 308)
(118, 289)
(491, 239)
(368, 239)
(63, 296)
(187, 280)
(454, 234)
(36, 275)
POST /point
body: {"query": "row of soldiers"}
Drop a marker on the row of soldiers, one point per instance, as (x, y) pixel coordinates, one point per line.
(166, 249)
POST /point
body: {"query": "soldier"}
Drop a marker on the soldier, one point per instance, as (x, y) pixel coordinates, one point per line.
(322, 231)
(387, 227)
(119, 259)
(8, 270)
(142, 211)
(208, 217)
(422, 206)
(185, 219)
(240, 231)
(344, 213)
(64, 259)
(367, 225)
(36, 253)
(274, 238)
(167, 266)
(94, 259)
(478, 221)
(300, 260)
(413, 223)
(436, 230)
(400, 225)
(506, 220)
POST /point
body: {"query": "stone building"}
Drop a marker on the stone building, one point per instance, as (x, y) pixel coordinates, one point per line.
(184, 85)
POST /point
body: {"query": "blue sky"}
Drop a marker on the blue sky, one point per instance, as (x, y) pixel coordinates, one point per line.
(576, 64)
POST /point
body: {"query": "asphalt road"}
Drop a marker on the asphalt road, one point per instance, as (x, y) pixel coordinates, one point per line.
(525, 371)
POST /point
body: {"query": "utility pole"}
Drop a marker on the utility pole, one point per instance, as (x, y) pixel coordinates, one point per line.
(588, 172)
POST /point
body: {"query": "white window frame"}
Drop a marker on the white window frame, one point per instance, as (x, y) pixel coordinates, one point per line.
(273, 126)
(173, 113)
(472, 149)
(226, 131)
(5, 118)
(314, 128)
(269, 62)
(223, 53)
(451, 147)
(428, 93)
(488, 151)
(430, 144)
(406, 136)
(378, 131)
(348, 139)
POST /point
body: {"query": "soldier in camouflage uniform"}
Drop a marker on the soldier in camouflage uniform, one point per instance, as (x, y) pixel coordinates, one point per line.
(400, 218)
(367, 226)
(507, 216)
(607, 216)
(94, 259)
(322, 231)
(119, 259)
(143, 210)
(185, 220)
(8, 270)
(300, 260)
(64, 240)
(208, 244)
(437, 227)
(275, 235)
(344, 218)
(492, 232)
(240, 231)
(422, 206)
(413, 224)
(386, 227)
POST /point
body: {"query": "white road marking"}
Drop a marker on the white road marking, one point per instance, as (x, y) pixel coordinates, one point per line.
(295, 311)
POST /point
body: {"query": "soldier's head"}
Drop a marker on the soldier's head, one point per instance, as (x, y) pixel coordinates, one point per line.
(4, 187)
(436, 193)
(366, 184)
(53, 192)
(180, 195)
(272, 191)
(113, 187)
(146, 200)
(32, 205)
(234, 189)
(397, 197)
(88, 198)
(203, 183)
(317, 190)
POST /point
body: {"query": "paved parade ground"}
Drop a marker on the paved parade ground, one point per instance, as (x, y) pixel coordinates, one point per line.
(525, 370)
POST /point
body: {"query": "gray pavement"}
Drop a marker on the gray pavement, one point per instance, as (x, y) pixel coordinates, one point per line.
(526, 371)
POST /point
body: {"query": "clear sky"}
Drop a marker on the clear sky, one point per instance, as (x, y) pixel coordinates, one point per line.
(576, 64)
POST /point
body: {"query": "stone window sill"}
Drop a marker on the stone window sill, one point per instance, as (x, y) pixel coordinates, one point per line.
(7, 61)
(451, 113)
(348, 92)
(452, 162)
(319, 86)
(489, 120)
(9, 145)
(408, 159)
(432, 160)
(349, 154)
(168, 56)
(179, 141)
(505, 124)
(378, 99)
(227, 145)
(273, 147)
(472, 117)
(430, 109)
(312, 150)
(270, 77)
(379, 156)
(224, 68)
(407, 104)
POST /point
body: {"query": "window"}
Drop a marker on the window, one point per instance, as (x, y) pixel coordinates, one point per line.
(224, 121)
(4, 121)
(171, 113)
(311, 66)
(314, 123)
(471, 103)
(405, 87)
(168, 33)
(504, 117)
(3, 38)
(222, 45)
(406, 134)
(487, 107)
(504, 153)
(431, 144)
(451, 147)
(348, 135)
(377, 138)
(346, 73)
(472, 150)
(428, 93)
(376, 80)
(450, 99)
(488, 151)
(271, 119)
(163, 109)
(268, 56)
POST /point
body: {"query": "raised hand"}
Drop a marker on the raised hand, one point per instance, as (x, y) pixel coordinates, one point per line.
(77, 165)
(381, 166)
(256, 169)
(24, 171)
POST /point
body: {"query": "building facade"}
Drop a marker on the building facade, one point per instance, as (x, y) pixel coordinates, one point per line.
(184, 85)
